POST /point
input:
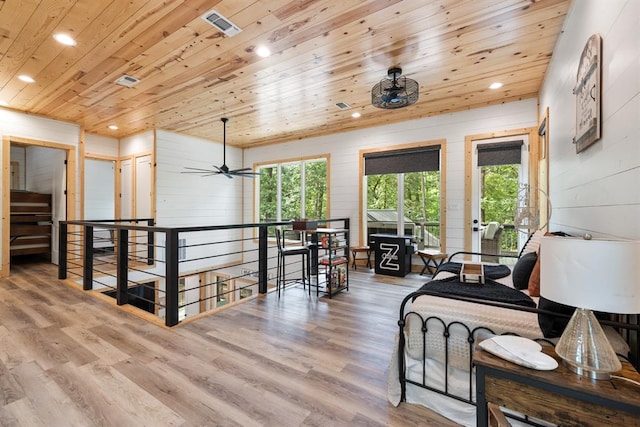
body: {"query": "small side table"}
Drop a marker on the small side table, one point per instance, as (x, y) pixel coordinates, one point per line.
(360, 249)
(559, 396)
(431, 259)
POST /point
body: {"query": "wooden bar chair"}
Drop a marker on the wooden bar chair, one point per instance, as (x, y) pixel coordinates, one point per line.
(288, 251)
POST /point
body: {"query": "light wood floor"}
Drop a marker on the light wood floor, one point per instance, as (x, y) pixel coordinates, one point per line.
(68, 359)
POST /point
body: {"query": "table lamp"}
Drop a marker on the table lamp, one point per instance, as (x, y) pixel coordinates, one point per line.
(590, 274)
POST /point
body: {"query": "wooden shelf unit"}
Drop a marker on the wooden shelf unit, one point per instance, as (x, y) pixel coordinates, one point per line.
(31, 216)
(333, 257)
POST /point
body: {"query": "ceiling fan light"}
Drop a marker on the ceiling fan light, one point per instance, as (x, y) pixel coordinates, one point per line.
(396, 91)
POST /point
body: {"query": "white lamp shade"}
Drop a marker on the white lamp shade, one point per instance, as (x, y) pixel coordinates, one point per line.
(600, 275)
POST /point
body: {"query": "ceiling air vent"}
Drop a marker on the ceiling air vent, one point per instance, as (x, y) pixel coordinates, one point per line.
(127, 81)
(343, 106)
(221, 23)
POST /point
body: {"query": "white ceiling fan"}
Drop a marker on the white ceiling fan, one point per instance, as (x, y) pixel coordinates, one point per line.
(224, 169)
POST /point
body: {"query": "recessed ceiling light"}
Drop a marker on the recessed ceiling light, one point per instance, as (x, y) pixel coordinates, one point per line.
(113, 127)
(495, 85)
(263, 51)
(65, 39)
(355, 115)
(26, 78)
(4, 104)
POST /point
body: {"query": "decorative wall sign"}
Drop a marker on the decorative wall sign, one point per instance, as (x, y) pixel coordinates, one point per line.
(588, 94)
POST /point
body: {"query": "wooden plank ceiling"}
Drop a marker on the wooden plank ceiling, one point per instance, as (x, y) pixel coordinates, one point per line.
(323, 52)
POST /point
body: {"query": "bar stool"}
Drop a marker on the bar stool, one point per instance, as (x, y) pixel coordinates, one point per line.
(283, 253)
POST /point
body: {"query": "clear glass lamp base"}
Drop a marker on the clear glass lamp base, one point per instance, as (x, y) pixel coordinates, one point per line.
(585, 349)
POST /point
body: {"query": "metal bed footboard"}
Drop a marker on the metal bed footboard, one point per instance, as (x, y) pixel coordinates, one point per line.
(472, 336)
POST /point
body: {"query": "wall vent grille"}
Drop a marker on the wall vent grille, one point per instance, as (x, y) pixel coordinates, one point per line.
(127, 81)
(221, 23)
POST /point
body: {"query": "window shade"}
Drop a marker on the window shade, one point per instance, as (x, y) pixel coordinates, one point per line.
(500, 153)
(421, 159)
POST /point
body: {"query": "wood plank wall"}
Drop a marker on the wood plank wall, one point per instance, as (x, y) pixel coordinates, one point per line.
(596, 191)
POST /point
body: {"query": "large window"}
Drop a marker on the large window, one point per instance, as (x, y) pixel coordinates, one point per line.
(292, 190)
(500, 173)
(403, 193)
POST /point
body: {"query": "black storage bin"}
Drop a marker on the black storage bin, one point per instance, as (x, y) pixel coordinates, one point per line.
(392, 254)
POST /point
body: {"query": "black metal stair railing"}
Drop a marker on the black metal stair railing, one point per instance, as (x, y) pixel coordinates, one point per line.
(155, 268)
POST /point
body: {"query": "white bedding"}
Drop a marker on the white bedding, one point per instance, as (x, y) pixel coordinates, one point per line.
(451, 312)
(499, 320)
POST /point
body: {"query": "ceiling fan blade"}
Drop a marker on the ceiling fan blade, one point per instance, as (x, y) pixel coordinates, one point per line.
(197, 170)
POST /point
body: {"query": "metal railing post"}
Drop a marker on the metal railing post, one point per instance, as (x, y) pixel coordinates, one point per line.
(62, 250)
(262, 259)
(171, 249)
(87, 268)
(122, 295)
(151, 255)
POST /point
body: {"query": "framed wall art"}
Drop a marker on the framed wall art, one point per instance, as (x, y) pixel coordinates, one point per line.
(588, 94)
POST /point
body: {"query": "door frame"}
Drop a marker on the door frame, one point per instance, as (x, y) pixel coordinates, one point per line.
(5, 267)
(469, 169)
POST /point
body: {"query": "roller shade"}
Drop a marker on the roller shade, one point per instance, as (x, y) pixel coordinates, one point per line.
(500, 153)
(421, 159)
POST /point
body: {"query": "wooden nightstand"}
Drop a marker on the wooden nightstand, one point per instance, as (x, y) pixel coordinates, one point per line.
(559, 396)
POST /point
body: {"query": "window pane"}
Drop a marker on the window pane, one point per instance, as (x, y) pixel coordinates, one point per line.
(498, 202)
(282, 183)
(268, 194)
(382, 204)
(316, 189)
(291, 191)
(422, 207)
(222, 292)
(382, 191)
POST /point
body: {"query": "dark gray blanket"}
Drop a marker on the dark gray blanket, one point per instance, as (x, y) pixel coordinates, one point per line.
(490, 290)
(490, 271)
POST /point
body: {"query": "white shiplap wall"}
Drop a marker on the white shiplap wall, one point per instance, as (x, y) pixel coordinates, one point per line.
(190, 199)
(597, 190)
(193, 200)
(136, 144)
(98, 145)
(13, 123)
(344, 149)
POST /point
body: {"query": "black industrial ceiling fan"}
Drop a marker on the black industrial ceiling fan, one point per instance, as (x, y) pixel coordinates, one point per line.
(224, 169)
(396, 91)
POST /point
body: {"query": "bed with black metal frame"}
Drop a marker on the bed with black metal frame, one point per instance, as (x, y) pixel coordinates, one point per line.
(432, 362)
